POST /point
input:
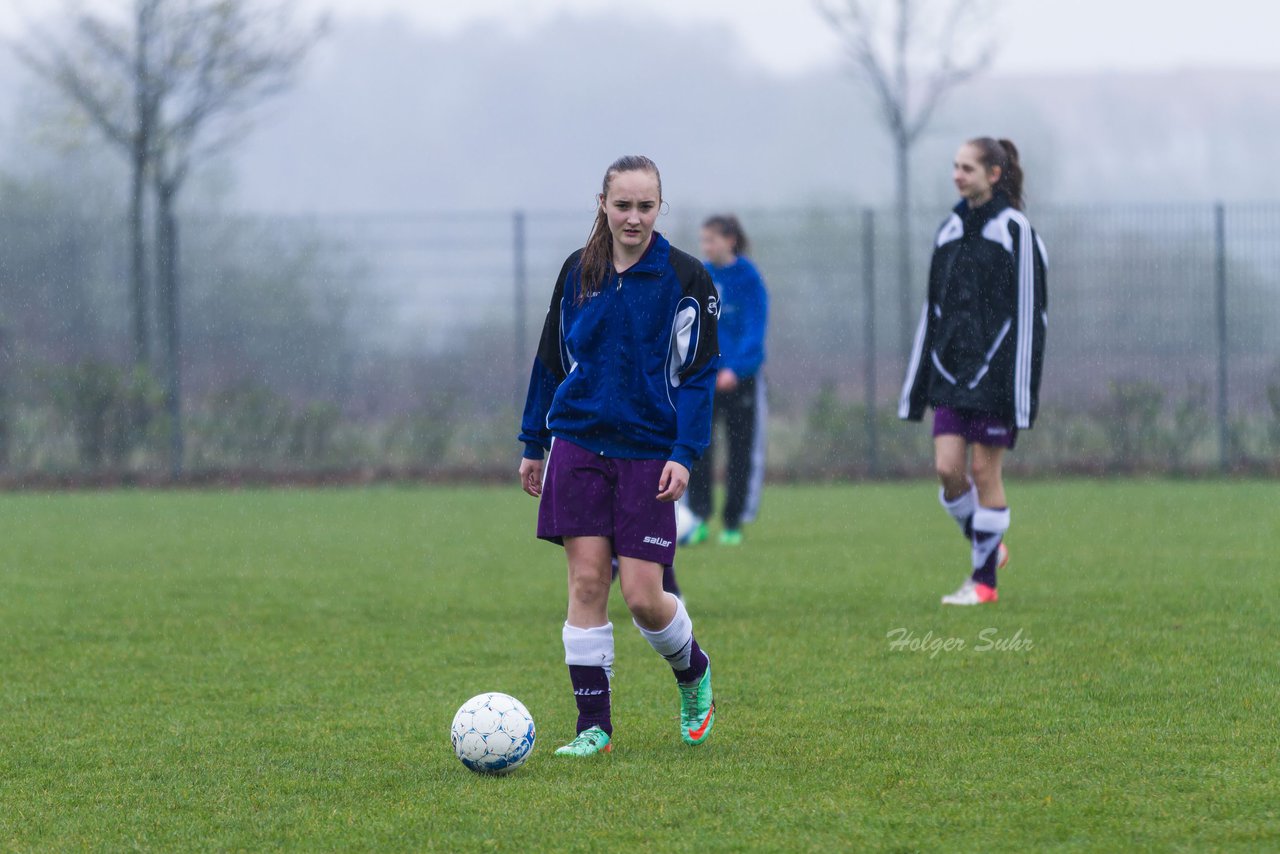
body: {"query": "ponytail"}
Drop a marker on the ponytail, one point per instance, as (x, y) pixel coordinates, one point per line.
(1010, 182)
(596, 264)
(1004, 154)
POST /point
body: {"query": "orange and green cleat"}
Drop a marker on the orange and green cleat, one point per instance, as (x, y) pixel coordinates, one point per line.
(697, 711)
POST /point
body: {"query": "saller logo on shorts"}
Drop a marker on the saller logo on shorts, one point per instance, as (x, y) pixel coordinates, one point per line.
(657, 541)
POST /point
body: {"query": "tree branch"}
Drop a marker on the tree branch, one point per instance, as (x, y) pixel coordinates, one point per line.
(891, 80)
(963, 17)
(856, 27)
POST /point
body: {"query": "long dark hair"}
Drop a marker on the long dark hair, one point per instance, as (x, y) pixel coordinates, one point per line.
(728, 226)
(596, 266)
(1002, 153)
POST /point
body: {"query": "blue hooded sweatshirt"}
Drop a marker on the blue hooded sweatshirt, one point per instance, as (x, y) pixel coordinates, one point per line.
(744, 314)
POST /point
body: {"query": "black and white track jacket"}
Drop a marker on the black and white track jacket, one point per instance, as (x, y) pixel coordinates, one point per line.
(980, 341)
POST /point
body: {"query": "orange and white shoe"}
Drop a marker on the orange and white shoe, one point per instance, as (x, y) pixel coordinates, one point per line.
(971, 593)
(976, 593)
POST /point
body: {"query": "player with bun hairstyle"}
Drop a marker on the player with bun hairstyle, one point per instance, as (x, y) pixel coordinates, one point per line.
(740, 389)
(620, 399)
(979, 349)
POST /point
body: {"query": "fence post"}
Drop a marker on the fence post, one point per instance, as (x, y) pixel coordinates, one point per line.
(1220, 309)
(6, 381)
(869, 334)
(521, 286)
(169, 281)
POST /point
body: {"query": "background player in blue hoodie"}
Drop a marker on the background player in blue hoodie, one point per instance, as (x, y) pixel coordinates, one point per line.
(740, 389)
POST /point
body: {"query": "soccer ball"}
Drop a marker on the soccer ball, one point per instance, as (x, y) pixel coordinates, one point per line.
(492, 733)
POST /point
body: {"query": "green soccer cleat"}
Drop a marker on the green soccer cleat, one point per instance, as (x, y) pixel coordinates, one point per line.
(732, 537)
(697, 535)
(588, 743)
(697, 711)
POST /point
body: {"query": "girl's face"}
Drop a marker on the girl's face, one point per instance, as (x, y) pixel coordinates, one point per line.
(631, 207)
(972, 179)
(717, 247)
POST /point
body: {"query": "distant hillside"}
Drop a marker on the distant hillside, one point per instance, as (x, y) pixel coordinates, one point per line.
(388, 118)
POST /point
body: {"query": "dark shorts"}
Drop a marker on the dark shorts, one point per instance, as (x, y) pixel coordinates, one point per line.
(587, 495)
(977, 428)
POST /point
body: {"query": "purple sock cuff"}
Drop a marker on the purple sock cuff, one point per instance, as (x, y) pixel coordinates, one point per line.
(698, 662)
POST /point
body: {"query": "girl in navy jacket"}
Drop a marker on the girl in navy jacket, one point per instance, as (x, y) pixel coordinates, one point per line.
(620, 401)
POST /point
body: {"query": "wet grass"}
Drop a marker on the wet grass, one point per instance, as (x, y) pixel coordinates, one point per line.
(277, 670)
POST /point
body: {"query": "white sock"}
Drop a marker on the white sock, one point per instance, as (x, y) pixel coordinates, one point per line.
(989, 526)
(589, 647)
(675, 642)
(961, 509)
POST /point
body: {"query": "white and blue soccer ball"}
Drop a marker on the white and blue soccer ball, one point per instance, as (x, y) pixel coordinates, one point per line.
(492, 733)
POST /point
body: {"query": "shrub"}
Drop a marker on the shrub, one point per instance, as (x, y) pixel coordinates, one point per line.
(1273, 398)
(111, 411)
(837, 441)
(1191, 425)
(1132, 416)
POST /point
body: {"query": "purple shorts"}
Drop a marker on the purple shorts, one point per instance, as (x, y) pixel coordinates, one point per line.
(977, 428)
(589, 495)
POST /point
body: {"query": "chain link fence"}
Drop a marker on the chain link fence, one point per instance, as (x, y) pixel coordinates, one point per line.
(403, 342)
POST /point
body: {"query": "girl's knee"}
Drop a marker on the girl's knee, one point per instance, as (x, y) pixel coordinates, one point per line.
(952, 476)
(986, 470)
(587, 587)
(981, 469)
(639, 602)
(645, 605)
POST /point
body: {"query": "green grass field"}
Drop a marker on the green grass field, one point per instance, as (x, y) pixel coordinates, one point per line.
(278, 670)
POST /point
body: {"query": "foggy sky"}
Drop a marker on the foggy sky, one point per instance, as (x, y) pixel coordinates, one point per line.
(788, 36)
(385, 111)
(1035, 35)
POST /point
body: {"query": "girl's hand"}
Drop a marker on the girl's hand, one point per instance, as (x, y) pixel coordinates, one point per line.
(674, 481)
(531, 476)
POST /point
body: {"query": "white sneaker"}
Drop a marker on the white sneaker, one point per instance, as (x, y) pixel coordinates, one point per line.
(971, 593)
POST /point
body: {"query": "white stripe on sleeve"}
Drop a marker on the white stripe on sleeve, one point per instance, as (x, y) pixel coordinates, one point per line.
(1024, 263)
(917, 353)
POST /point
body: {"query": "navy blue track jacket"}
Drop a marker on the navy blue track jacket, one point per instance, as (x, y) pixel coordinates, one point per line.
(630, 373)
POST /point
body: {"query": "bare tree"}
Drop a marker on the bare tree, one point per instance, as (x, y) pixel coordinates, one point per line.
(104, 66)
(220, 60)
(911, 57)
(174, 84)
